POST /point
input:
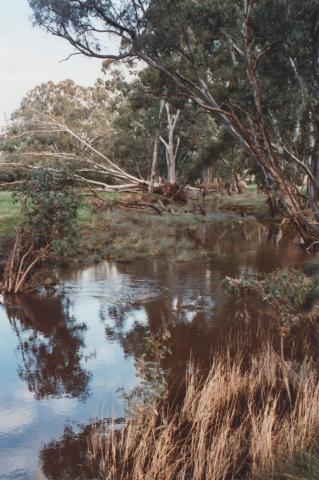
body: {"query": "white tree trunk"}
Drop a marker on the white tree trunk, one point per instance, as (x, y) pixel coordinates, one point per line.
(170, 146)
(155, 152)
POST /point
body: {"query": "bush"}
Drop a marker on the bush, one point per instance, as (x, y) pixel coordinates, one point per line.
(285, 290)
(49, 208)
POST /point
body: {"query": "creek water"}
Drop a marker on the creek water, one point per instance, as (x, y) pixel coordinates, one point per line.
(66, 355)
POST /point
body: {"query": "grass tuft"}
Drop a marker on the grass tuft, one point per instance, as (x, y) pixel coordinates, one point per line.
(241, 422)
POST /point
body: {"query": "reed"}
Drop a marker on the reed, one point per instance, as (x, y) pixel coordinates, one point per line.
(241, 421)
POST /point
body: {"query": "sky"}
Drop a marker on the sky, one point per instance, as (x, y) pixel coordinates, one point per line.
(30, 56)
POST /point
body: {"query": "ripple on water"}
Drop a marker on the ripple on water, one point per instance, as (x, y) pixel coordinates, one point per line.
(64, 356)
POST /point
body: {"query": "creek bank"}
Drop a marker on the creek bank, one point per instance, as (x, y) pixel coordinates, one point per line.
(119, 303)
(125, 235)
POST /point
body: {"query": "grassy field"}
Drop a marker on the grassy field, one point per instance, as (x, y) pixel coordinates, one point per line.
(251, 198)
(10, 208)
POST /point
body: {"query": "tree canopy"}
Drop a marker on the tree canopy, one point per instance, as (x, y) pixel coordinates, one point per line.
(253, 65)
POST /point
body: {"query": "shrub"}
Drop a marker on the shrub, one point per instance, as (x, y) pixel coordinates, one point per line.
(49, 209)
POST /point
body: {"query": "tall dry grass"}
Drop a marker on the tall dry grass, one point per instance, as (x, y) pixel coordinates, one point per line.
(240, 422)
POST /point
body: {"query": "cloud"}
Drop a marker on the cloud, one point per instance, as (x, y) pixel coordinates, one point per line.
(15, 419)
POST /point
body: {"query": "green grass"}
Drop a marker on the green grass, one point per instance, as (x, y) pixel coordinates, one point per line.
(111, 195)
(85, 215)
(250, 199)
(252, 187)
(9, 213)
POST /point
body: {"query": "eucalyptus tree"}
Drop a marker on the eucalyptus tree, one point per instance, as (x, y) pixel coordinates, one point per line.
(152, 128)
(253, 65)
(31, 139)
(66, 125)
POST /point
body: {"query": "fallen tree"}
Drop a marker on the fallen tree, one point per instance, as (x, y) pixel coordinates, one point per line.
(199, 36)
(88, 154)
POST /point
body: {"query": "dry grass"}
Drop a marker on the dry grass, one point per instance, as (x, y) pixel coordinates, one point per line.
(239, 422)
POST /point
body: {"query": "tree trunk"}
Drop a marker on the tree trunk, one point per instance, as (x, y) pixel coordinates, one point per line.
(171, 148)
(154, 164)
(172, 172)
(207, 177)
(155, 151)
(313, 191)
(289, 204)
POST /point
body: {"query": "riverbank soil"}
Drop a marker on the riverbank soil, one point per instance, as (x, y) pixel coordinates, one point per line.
(124, 234)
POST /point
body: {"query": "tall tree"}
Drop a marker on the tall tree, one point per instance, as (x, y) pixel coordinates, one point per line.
(230, 58)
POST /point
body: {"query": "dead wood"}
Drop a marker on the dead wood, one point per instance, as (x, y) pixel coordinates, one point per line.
(137, 204)
(171, 191)
(101, 204)
(21, 265)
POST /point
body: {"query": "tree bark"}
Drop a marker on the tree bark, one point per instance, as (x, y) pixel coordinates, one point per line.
(313, 190)
(155, 152)
(313, 186)
(170, 147)
(154, 164)
(207, 177)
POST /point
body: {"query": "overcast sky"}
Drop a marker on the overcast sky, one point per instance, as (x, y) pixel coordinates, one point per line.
(29, 56)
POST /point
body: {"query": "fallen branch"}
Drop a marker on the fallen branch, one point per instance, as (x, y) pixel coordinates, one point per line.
(21, 265)
(101, 203)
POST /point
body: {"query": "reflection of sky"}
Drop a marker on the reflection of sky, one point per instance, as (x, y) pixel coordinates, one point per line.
(27, 424)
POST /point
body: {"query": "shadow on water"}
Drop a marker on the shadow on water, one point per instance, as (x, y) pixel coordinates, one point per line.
(112, 309)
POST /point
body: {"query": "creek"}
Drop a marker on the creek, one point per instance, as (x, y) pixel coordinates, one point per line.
(67, 355)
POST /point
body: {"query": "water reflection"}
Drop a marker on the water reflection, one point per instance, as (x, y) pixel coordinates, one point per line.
(108, 310)
(68, 457)
(50, 345)
(190, 301)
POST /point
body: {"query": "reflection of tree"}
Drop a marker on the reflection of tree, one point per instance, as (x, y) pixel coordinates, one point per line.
(186, 309)
(51, 345)
(69, 457)
(188, 298)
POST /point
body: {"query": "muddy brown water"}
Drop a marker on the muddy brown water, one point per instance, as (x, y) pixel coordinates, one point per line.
(66, 355)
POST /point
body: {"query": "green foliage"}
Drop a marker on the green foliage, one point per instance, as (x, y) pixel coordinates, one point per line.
(9, 213)
(195, 44)
(153, 384)
(49, 209)
(289, 288)
(30, 138)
